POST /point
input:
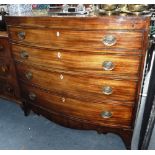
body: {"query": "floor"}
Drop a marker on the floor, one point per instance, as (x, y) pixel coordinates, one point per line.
(34, 132)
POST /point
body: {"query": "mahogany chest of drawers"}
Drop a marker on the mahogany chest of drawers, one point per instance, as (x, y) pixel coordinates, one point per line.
(8, 81)
(81, 72)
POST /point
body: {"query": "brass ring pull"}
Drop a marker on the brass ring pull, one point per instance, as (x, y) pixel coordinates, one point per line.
(109, 40)
(108, 65)
(28, 75)
(1, 47)
(32, 96)
(107, 90)
(24, 55)
(21, 35)
(106, 114)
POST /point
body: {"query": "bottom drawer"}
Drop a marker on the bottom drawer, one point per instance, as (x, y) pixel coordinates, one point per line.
(101, 114)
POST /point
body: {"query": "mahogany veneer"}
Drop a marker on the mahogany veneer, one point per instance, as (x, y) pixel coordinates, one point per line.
(81, 72)
(8, 81)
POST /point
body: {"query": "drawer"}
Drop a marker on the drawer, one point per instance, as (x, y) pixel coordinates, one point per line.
(78, 40)
(4, 47)
(100, 114)
(87, 88)
(6, 88)
(91, 40)
(4, 68)
(87, 62)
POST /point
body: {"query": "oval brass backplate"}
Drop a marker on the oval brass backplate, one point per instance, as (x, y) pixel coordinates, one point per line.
(109, 40)
(108, 65)
(106, 114)
(32, 96)
(21, 35)
(107, 90)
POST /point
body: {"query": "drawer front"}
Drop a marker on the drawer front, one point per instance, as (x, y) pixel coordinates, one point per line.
(78, 40)
(37, 37)
(96, 89)
(92, 63)
(101, 114)
(4, 47)
(89, 40)
(6, 88)
(4, 68)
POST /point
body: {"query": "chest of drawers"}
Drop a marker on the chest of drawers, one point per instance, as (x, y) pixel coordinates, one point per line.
(8, 82)
(81, 72)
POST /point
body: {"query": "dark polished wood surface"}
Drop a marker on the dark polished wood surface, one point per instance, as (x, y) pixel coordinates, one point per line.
(8, 81)
(85, 69)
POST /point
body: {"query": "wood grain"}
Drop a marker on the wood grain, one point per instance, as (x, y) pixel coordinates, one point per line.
(81, 23)
(87, 40)
(86, 62)
(4, 68)
(64, 68)
(8, 80)
(4, 50)
(121, 115)
(76, 85)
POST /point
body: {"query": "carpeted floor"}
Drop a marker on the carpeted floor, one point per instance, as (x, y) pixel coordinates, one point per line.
(34, 132)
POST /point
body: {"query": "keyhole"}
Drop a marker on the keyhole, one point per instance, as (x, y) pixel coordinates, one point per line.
(63, 99)
(58, 34)
(61, 77)
(59, 55)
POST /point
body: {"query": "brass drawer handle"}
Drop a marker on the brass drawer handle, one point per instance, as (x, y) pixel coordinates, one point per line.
(32, 96)
(106, 114)
(109, 40)
(63, 99)
(107, 90)
(21, 35)
(24, 55)
(28, 75)
(108, 65)
(4, 69)
(1, 47)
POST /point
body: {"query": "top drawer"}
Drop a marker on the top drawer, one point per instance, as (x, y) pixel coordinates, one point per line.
(78, 40)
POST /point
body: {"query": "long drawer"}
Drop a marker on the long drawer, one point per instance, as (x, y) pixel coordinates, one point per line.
(78, 40)
(91, 63)
(101, 114)
(95, 88)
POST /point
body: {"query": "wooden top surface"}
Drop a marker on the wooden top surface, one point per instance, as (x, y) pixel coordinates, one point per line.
(96, 22)
(3, 34)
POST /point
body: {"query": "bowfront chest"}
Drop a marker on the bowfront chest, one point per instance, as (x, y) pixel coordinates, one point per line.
(81, 72)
